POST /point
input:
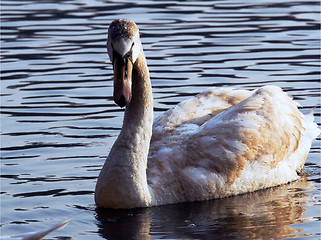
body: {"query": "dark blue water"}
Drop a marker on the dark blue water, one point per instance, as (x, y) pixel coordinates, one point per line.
(59, 121)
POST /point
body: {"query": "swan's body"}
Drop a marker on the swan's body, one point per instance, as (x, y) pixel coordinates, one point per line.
(220, 143)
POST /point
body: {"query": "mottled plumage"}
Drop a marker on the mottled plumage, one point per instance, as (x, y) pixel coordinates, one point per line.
(219, 143)
(225, 142)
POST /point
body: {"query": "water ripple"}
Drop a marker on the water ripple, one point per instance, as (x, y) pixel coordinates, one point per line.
(59, 120)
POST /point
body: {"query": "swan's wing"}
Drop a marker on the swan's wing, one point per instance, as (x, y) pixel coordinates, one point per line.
(257, 143)
(265, 128)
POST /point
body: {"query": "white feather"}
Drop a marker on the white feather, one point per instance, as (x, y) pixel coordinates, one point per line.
(38, 234)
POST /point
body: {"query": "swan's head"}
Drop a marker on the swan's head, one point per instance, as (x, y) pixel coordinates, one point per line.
(123, 47)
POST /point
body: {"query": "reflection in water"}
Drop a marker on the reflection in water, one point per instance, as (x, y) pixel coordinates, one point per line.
(266, 214)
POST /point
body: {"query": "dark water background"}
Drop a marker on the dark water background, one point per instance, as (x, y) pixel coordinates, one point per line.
(59, 121)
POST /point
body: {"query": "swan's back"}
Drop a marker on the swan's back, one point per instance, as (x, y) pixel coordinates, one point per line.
(199, 109)
(225, 142)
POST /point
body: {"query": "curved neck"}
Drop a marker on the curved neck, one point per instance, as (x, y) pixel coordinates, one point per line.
(139, 112)
(122, 182)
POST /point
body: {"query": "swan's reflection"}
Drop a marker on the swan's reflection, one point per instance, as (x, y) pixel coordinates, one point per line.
(266, 214)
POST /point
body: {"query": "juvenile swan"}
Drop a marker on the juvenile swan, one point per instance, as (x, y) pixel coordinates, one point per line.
(219, 143)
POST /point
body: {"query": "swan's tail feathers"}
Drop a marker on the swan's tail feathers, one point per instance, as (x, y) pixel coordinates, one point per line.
(310, 133)
(312, 128)
(37, 235)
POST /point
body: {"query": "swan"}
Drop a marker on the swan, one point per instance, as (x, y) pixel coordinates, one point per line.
(221, 142)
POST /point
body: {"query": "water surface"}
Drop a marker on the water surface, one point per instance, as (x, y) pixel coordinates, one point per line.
(59, 121)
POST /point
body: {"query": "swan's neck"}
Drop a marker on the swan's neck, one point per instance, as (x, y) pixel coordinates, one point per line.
(122, 182)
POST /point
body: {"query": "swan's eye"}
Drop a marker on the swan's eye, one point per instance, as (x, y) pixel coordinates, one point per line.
(115, 54)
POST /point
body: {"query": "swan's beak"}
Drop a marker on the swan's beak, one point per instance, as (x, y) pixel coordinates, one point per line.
(123, 68)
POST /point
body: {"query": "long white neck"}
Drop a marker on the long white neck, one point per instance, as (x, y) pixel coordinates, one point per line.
(122, 182)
